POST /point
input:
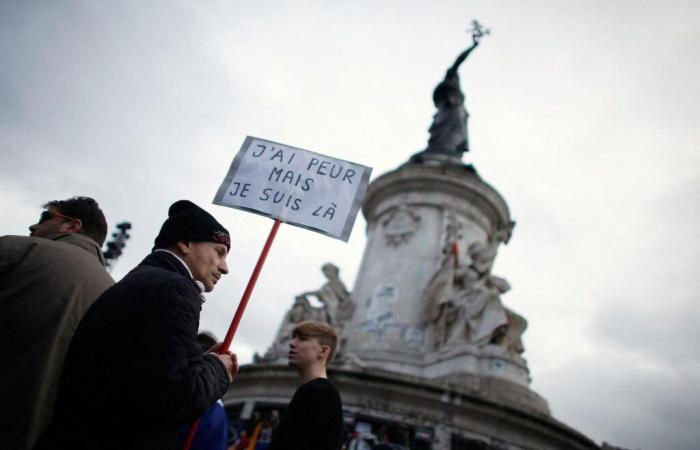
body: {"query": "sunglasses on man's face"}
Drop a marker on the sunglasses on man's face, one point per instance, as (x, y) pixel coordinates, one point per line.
(48, 215)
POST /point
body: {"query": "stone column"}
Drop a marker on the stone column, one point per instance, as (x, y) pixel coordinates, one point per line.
(414, 213)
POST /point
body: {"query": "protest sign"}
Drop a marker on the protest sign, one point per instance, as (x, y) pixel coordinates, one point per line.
(296, 186)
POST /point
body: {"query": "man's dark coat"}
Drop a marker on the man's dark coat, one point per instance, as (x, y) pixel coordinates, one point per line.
(135, 372)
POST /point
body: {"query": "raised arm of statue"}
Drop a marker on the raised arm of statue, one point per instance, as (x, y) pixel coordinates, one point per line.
(499, 284)
(305, 295)
(452, 71)
(477, 33)
(448, 132)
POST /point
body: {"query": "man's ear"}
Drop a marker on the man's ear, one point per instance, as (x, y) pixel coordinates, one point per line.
(183, 247)
(72, 226)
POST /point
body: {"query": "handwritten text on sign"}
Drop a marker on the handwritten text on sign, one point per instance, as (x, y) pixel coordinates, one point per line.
(296, 186)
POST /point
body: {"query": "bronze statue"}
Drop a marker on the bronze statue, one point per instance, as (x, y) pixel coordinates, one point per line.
(448, 132)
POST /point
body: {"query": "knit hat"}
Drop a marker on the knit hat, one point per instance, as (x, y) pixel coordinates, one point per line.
(188, 222)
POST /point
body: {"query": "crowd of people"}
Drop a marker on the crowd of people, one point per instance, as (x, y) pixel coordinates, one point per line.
(94, 364)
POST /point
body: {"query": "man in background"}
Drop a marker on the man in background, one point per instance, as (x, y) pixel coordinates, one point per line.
(392, 437)
(47, 283)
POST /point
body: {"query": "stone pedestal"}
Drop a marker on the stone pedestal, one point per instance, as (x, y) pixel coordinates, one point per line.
(452, 417)
(414, 216)
(433, 230)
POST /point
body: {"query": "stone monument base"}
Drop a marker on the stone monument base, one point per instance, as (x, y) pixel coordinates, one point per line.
(441, 414)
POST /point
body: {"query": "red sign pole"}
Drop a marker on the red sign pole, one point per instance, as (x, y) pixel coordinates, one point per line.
(239, 313)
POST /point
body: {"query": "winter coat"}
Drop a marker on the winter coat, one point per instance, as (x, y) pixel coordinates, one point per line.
(135, 373)
(46, 285)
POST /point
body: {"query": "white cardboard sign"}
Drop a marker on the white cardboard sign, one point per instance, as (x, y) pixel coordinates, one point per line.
(297, 186)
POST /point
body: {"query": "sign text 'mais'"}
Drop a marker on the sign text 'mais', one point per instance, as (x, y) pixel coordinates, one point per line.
(297, 186)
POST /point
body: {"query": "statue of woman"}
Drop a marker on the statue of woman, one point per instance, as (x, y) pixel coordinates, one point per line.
(448, 132)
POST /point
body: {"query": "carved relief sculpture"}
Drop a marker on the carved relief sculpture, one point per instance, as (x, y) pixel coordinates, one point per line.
(337, 306)
(336, 309)
(400, 224)
(463, 304)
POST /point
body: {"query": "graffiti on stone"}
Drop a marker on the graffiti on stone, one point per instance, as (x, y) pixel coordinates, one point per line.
(413, 336)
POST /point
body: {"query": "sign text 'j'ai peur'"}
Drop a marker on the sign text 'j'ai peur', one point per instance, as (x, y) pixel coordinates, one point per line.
(297, 186)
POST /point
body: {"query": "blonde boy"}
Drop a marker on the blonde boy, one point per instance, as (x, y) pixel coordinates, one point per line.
(314, 417)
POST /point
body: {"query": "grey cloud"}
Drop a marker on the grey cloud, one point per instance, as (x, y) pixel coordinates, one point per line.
(636, 406)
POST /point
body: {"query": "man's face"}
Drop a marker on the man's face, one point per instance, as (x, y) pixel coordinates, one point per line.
(206, 260)
(305, 350)
(51, 221)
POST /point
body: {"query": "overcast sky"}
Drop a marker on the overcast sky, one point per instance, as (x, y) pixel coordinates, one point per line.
(584, 115)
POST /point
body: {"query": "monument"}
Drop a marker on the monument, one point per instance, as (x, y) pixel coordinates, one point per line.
(428, 336)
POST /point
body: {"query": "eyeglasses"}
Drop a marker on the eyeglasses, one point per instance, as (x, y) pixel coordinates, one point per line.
(48, 215)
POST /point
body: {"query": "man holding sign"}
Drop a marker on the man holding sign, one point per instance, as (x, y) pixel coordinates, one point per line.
(135, 373)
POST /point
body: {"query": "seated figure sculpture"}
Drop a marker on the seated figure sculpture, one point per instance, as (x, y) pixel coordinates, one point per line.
(463, 304)
(336, 309)
(334, 296)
